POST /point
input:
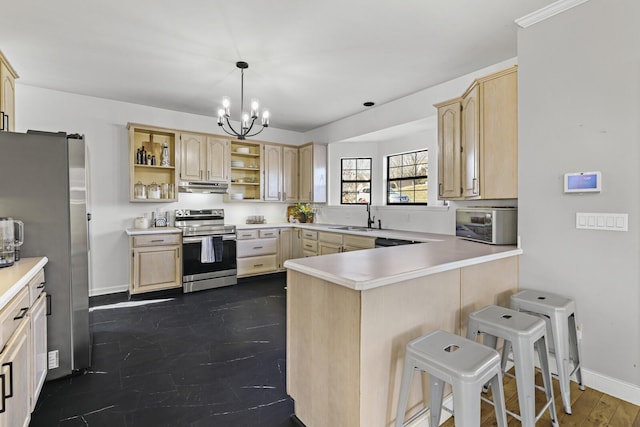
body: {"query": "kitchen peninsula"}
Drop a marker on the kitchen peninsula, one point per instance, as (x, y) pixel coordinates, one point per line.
(350, 315)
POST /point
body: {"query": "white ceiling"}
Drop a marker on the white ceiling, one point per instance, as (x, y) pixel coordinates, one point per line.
(310, 62)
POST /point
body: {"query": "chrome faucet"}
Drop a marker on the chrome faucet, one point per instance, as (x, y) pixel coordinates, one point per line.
(370, 220)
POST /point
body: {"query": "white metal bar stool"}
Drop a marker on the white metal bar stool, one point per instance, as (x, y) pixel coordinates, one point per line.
(560, 316)
(464, 364)
(525, 333)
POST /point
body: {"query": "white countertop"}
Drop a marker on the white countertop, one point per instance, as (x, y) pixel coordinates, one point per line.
(152, 230)
(368, 269)
(15, 277)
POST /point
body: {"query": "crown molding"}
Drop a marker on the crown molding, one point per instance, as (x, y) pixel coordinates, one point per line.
(547, 12)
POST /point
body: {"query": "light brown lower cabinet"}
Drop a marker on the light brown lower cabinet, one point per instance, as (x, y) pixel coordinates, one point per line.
(156, 262)
(257, 251)
(15, 410)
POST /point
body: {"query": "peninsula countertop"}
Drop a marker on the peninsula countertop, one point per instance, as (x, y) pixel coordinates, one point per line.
(368, 269)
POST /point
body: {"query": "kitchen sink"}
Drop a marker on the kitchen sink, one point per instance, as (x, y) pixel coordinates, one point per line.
(351, 228)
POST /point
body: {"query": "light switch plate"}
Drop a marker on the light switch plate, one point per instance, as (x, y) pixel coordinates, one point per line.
(602, 221)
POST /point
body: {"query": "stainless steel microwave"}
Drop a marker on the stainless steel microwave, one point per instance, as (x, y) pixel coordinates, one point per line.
(493, 225)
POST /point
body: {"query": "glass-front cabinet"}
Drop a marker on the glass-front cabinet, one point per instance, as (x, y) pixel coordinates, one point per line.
(246, 167)
(152, 162)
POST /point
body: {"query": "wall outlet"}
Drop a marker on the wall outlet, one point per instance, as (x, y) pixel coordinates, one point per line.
(54, 360)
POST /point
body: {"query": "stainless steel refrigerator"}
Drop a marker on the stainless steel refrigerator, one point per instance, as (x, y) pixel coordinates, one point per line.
(43, 182)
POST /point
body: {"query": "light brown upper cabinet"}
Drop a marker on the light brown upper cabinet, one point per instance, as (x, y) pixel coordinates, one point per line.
(204, 158)
(478, 140)
(313, 173)
(8, 77)
(280, 173)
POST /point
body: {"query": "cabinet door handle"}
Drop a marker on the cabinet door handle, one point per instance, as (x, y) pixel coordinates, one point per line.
(49, 306)
(2, 116)
(475, 185)
(208, 175)
(440, 189)
(10, 365)
(2, 396)
(41, 285)
(23, 313)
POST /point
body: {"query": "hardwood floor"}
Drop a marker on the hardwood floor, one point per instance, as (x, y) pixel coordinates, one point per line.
(589, 407)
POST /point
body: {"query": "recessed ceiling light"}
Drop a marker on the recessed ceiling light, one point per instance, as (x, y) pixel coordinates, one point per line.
(369, 104)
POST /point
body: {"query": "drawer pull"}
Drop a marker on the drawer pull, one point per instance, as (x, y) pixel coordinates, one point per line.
(157, 241)
(247, 235)
(257, 247)
(268, 234)
(23, 312)
(10, 365)
(41, 285)
(258, 265)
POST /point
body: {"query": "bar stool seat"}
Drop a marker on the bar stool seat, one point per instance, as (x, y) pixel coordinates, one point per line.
(525, 333)
(559, 314)
(464, 364)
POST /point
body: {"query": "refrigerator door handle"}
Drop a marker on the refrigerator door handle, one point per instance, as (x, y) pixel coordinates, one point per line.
(48, 313)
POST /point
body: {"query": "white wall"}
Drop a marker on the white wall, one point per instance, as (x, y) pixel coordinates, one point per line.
(579, 106)
(103, 122)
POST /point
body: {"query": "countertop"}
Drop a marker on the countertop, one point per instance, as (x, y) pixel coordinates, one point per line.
(152, 230)
(368, 269)
(14, 278)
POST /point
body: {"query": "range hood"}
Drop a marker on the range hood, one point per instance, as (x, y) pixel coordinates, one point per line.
(202, 187)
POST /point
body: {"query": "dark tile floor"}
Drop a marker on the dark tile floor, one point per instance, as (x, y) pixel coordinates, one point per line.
(209, 358)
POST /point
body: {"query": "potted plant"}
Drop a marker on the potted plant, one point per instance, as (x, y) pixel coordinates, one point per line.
(304, 212)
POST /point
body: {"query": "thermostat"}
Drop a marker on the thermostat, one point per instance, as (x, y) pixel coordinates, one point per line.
(582, 182)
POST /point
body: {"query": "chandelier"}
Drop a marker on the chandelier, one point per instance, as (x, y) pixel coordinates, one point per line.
(248, 119)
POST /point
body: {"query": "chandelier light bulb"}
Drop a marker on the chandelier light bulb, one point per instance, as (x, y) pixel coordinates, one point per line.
(226, 104)
(255, 105)
(245, 120)
(265, 118)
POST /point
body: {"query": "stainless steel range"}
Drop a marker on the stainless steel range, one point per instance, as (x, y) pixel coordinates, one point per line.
(208, 248)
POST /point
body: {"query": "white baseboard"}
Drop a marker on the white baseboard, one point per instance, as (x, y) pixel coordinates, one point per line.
(612, 386)
(109, 290)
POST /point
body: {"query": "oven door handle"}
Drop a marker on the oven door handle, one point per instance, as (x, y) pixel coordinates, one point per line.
(199, 238)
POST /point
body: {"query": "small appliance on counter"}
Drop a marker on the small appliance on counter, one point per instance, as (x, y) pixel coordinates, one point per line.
(11, 236)
(493, 225)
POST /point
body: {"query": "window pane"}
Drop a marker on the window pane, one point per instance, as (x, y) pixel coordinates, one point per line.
(348, 175)
(422, 157)
(363, 175)
(408, 171)
(395, 161)
(395, 173)
(364, 164)
(348, 163)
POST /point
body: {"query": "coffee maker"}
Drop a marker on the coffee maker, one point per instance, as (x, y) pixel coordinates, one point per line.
(11, 238)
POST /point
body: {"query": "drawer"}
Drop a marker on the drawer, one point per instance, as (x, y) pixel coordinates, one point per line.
(249, 248)
(246, 234)
(359, 242)
(257, 265)
(157, 240)
(36, 286)
(330, 238)
(12, 314)
(308, 254)
(268, 232)
(309, 245)
(308, 234)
